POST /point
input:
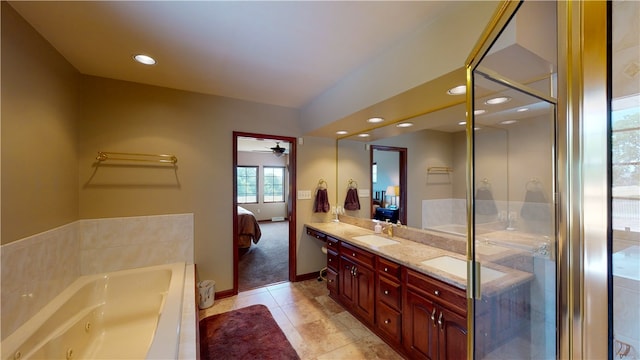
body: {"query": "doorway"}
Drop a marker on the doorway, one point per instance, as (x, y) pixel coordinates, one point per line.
(264, 208)
(389, 183)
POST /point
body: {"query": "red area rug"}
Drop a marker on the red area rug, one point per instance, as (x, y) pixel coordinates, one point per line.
(247, 333)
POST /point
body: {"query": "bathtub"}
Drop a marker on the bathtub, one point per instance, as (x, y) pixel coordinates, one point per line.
(128, 314)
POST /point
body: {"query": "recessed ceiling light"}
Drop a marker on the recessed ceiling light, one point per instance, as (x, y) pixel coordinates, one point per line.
(363, 135)
(404, 125)
(522, 109)
(144, 59)
(375, 120)
(508, 122)
(462, 123)
(342, 132)
(479, 112)
(458, 90)
(497, 100)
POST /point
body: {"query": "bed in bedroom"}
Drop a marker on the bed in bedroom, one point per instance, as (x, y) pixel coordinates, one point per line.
(248, 228)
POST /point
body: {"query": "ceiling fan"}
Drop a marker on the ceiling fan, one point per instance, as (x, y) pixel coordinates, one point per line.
(277, 150)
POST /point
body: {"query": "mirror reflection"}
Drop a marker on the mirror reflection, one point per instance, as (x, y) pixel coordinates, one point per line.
(436, 155)
(436, 144)
(389, 183)
(435, 151)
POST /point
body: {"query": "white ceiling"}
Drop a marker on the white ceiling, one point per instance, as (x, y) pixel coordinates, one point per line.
(276, 52)
(260, 145)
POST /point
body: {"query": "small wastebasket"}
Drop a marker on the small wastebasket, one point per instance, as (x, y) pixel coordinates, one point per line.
(207, 290)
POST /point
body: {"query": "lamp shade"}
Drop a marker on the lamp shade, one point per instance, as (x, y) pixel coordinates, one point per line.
(391, 191)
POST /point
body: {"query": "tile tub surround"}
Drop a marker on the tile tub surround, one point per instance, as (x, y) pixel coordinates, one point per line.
(118, 243)
(37, 268)
(189, 341)
(443, 211)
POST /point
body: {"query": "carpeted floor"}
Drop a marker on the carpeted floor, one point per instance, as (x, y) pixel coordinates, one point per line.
(246, 333)
(268, 261)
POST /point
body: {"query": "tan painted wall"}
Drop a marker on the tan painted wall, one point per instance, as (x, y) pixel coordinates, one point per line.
(316, 159)
(353, 164)
(39, 157)
(129, 117)
(419, 58)
(54, 121)
(424, 148)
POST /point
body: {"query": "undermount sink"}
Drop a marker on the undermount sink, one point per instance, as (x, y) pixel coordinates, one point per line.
(458, 268)
(375, 240)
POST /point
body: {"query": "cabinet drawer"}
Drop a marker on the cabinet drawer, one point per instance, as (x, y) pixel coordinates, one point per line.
(354, 253)
(332, 260)
(316, 234)
(388, 268)
(445, 294)
(332, 243)
(332, 281)
(390, 292)
(390, 322)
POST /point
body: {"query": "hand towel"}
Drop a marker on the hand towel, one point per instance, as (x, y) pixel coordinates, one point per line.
(321, 203)
(484, 202)
(352, 202)
(535, 206)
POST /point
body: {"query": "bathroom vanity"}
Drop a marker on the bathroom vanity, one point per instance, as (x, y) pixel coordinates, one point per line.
(413, 295)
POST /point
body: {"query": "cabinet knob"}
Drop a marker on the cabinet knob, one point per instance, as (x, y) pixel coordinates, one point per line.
(386, 292)
(387, 321)
(330, 280)
(386, 270)
(437, 292)
(353, 254)
(329, 259)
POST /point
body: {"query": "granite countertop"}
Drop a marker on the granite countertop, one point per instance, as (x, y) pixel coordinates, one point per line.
(413, 254)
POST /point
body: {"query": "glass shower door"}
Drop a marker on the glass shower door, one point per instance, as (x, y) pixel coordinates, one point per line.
(513, 173)
(625, 179)
(514, 224)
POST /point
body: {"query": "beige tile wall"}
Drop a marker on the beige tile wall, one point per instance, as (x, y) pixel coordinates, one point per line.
(37, 268)
(130, 242)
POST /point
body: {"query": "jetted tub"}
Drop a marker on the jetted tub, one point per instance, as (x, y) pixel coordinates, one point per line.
(128, 314)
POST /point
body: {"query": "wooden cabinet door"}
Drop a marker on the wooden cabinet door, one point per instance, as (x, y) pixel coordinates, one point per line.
(332, 282)
(364, 301)
(389, 321)
(420, 331)
(357, 288)
(346, 281)
(453, 335)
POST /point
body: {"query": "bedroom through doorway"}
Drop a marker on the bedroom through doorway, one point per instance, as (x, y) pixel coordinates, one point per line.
(264, 228)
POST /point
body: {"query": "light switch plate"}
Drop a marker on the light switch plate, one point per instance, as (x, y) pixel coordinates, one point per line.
(364, 193)
(304, 194)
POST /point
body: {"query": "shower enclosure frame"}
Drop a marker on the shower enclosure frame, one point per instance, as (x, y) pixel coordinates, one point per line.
(581, 194)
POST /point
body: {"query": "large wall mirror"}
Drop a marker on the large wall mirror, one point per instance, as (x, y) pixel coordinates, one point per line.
(432, 192)
(436, 151)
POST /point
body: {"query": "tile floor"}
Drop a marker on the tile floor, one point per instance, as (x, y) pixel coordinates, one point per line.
(316, 326)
